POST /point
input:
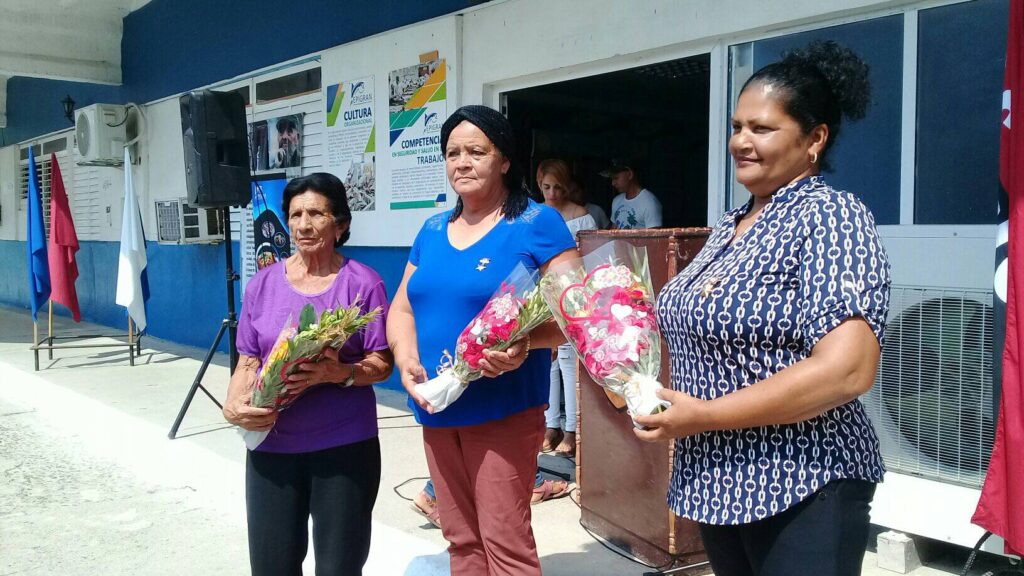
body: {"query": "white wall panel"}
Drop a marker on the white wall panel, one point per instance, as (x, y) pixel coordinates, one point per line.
(9, 227)
(377, 56)
(539, 41)
(163, 160)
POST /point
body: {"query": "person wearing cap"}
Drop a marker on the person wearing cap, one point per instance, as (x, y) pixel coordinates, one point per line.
(482, 450)
(635, 206)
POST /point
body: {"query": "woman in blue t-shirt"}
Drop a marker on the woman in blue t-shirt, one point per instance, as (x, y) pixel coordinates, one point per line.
(481, 450)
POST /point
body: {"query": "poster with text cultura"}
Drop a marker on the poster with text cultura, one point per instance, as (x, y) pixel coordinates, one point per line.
(351, 140)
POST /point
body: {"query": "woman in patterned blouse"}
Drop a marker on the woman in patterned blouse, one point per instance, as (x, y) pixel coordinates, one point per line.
(774, 331)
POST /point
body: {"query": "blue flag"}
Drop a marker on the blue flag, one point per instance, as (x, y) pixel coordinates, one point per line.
(38, 263)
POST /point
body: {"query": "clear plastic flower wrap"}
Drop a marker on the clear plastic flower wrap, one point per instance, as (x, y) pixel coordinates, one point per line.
(604, 304)
(514, 309)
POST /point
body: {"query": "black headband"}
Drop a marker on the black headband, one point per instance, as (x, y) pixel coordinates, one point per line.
(489, 121)
(497, 129)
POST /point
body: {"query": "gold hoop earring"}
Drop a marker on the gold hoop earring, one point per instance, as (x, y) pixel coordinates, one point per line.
(814, 157)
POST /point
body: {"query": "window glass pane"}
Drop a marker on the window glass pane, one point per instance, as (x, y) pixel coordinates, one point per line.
(243, 92)
(286, 86)
(960, 59)
(36, 148)
(866, 157)
(57, 145)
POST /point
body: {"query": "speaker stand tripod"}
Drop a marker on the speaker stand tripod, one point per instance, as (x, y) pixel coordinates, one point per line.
(230, 323)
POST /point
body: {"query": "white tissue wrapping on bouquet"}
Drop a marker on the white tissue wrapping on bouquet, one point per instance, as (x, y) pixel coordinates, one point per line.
(641, 394)
(253, 438)
(441, 390)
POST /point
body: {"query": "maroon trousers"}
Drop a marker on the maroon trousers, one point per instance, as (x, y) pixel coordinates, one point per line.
(484, 476)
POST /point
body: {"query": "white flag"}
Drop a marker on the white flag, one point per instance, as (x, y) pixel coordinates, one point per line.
(131, 262)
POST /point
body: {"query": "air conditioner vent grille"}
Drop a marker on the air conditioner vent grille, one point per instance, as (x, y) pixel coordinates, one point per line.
(168, 228)
(932, 398)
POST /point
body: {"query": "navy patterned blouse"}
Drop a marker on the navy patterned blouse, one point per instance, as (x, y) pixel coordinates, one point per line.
(746, 309)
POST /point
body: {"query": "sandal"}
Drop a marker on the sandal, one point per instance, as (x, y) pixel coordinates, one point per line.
(549, 490)
(426, 506)
(552, 438)
(567, 447)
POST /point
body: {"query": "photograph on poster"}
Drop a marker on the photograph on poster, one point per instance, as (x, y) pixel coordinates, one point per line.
(276, 143)
(271, 239)
(418, 103)
(360, 185)
(404, 83)
(259, 153)
(285, 141)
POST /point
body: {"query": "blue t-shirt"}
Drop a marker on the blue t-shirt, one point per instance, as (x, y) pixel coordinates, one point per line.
(450, 287)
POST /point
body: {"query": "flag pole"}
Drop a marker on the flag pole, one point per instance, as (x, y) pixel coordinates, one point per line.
(131, 338)
(35, 340)
(49, 339)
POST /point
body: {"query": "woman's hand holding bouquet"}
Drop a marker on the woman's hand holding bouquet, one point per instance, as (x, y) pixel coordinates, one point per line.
(507, 318)
(308, 341)
(604, 304)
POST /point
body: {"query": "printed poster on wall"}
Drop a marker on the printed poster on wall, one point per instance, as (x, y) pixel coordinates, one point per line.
(417, 106)
(351, 140)
(271, 239)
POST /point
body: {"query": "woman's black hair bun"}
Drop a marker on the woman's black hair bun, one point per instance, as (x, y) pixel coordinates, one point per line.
(846, 73)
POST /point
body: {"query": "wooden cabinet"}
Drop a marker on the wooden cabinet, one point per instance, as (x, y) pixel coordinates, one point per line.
(623, 481)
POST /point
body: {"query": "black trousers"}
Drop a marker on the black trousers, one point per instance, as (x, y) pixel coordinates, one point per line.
(824, 535)
(337, 487)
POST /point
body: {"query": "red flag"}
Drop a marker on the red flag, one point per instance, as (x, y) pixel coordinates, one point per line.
(63, 245)
(1001, 507)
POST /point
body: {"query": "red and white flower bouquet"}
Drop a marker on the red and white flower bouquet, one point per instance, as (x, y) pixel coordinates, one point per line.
(514, 309)
(604, 304)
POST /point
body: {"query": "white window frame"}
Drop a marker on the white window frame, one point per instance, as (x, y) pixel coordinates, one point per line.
(906, 228)
(44, 172)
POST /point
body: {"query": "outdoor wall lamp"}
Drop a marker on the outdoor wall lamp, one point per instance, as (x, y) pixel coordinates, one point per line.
(69, 108)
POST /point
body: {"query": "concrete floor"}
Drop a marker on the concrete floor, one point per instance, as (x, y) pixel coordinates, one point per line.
(90, 483)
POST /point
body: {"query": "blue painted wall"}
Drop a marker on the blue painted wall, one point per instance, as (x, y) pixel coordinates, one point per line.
(187, 291)
(34, 105)
(171, 46)
(188, 298)
(390, 264)
(205, 42)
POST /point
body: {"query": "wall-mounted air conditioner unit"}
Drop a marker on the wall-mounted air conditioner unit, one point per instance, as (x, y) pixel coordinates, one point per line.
(180, 223)
(100, 134)
(931, 406)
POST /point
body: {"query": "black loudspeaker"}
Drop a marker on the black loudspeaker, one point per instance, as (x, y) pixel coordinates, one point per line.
(213, 130)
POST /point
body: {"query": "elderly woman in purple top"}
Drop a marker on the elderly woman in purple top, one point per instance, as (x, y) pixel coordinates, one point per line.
(321, 457)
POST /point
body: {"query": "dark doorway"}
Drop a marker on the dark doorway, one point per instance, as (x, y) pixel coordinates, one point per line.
(656, 115)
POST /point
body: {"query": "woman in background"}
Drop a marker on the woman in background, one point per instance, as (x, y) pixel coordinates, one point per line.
(562, 193)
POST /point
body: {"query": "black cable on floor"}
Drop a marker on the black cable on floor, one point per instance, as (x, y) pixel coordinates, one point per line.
(574, 496)
(397, 486)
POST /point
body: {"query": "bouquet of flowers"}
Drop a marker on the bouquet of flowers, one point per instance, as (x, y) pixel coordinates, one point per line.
(514, 309)
(604, 304)
(298, 343)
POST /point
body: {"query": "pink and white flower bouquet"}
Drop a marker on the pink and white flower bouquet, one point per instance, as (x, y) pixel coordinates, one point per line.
(604, 304)
(514, 309)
